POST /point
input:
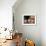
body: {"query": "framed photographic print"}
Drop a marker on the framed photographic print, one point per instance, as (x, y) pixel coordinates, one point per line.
(29, 20)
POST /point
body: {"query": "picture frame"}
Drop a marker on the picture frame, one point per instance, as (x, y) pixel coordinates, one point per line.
(29, 19)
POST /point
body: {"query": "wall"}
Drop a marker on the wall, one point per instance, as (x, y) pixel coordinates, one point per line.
(6, 13)
(29, 31)
(43, 22)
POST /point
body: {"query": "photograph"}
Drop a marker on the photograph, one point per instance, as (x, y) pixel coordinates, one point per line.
(22, 22)
(29, 20)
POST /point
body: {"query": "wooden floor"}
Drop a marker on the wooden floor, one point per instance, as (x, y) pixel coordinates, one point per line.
(9, 43)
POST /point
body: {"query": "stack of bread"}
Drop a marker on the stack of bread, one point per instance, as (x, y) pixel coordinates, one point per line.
(29, 43)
